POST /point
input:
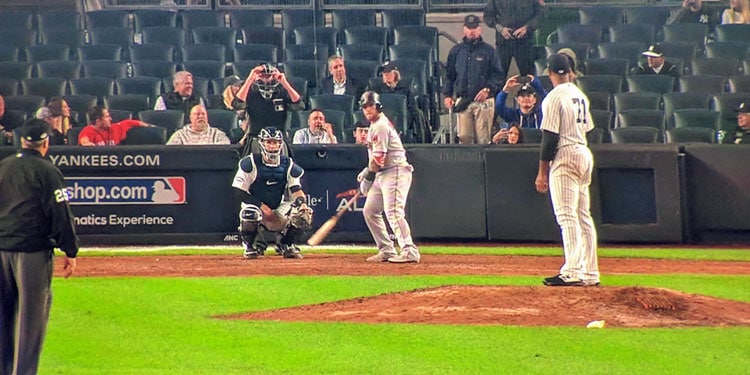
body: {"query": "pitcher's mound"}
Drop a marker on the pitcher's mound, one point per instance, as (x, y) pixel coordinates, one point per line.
(525, 306)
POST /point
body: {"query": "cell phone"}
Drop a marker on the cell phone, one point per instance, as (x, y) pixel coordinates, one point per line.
(523, 79)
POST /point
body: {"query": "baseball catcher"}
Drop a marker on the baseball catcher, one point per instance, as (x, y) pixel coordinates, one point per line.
(269, 189)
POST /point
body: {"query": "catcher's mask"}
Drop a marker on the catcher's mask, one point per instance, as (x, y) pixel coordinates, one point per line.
(271, 141)
(266, 83)
(370, 97)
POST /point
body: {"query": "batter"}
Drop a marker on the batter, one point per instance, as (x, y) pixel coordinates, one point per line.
(566, 164)
(386, 182)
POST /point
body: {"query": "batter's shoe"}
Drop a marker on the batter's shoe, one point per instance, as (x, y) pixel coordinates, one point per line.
(406, 257)
(290, 251)
(561, 280)
(381, 257)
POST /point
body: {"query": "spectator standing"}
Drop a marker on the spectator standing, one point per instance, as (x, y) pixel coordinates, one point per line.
(527, 113)
(738, 12)
(337, 82)
(231, 102)
(565, 167)
(183, 97)
(472, 78)
(8, 121)
(693, 11)
(102, 132)
(268, 96)
(56, 137)
(35, 218)
(198, 132)
(656, 63)
(514, 22)
(573, 58)
(742, 132)
(318, 131)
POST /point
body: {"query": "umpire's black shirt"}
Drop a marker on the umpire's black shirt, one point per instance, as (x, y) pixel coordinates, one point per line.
(34, 210)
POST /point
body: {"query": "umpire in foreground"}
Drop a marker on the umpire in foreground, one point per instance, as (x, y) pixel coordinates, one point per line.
(34, 219)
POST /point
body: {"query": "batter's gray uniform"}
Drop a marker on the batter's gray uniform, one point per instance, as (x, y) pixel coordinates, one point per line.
(387, 195)
(566, 113)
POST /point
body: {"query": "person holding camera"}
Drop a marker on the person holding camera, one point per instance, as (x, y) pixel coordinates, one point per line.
(472, 78)
(268, 96)
(514, 22)
(526, 112)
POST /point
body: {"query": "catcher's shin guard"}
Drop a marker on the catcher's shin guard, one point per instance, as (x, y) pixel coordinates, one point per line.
(250, 217)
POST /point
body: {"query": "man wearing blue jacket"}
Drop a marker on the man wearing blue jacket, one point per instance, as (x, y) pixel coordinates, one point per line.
(526, 112)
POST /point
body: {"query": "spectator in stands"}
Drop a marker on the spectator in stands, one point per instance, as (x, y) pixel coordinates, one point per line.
(198, 132)
(361, 130)
(102, 132)
(391, 83)
(572, 59)
(738, 12)
(318, 131)
(657, 63)
(693, 11)
(514, 22)
(8, 121)
(527, 113)
(472, 79)
(742, 132)
(513, 135)
(60, 107)
(56, 137)
(268, 96)
(337, 82)
(231, 102)
(182, 98)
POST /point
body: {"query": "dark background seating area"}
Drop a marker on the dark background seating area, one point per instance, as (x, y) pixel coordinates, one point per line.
(133, 48)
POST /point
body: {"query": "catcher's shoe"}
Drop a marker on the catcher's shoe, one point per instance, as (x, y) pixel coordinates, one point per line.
(406, 257)
(290, 251)
(250, 254)
(562, 280)
(381, 257)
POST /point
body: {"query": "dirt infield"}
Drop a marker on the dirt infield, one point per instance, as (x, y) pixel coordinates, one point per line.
(485, 305)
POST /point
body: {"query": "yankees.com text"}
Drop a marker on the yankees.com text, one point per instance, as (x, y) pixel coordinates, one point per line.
(126, 160)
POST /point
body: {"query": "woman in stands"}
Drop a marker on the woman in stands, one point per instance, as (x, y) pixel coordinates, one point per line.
(738, 12)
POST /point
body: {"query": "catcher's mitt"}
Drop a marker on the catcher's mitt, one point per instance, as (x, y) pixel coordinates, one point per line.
(301, 217)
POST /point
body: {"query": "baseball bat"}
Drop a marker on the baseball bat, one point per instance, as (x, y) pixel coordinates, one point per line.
(326, 228)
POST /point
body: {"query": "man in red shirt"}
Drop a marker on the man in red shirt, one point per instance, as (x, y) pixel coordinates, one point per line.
(102, 132)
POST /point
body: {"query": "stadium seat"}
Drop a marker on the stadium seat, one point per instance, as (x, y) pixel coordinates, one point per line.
(307, 52)
(660, 84)
(58, 19)
(95, 86)
(621, 50)
(223, 119)
(716, 66)
(151, 52)
(266, 35)
(366, 34)
(710, 84)
(105, 68)
(636, 32)
(602, 16)
(204, 52)
(146, 135)
(154, 68)
(144, 18)
(697, 118)
(607, 66)
(173, 36)
(197, 18)
(649, 15)
(46, 87)
(611, 84)
(131, 103)
(653, 118)
(16, 19)
(99, 52)
(603, 120)
(574, 32)
(725, 104)
(20, 38)
(8, 87)
(739, 83)
(680, 100)
(600, 100)
(256, 17)
(205, 69)
(264, 52)
(28, 104)
(685, 32)
(393, 18)
(344, 18)
(636, 100)
(691, 135)
(121, 36)
(310, 70)
(365, 51)
(71, 38)
(15, 70)
(635, 135)
(45, 52)
(731, 50)
(149, 86)
(532, 135)
(595, 136)
(217, 35)
(106, 18)
(344, 103)
(171, 120)
(294, 18)
(321, 35)
(732, 33)
(65, 69)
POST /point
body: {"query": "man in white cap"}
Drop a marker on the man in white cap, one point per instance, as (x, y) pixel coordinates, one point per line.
(657, 63)
(742, 132)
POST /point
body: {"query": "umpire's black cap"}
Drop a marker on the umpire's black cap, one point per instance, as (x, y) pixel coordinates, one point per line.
(35, 130)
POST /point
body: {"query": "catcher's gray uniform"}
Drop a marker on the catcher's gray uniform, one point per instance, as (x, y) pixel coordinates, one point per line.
(566, 113)
(388, 193)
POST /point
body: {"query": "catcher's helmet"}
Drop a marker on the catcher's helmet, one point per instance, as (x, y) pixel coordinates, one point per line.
(271, 136)
(266, 83)
(370, 97)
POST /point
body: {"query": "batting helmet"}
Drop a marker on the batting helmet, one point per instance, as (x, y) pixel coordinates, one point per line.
(371, 97)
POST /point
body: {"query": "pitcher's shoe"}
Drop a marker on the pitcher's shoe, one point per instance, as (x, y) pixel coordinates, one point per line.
(406, 257)
(381, 257)
(562, 280)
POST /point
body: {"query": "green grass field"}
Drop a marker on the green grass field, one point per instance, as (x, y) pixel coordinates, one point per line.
(137, 325)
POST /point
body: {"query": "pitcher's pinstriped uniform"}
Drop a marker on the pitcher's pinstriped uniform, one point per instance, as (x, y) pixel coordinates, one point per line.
(389, 189)
(566, 113)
